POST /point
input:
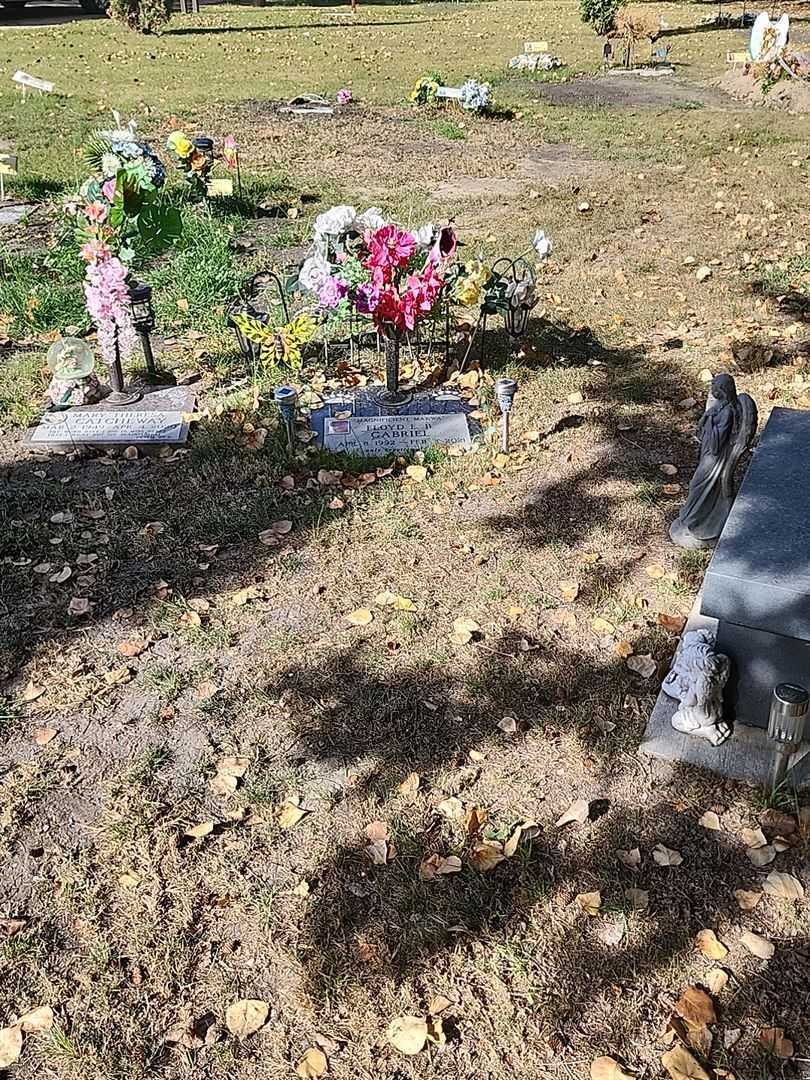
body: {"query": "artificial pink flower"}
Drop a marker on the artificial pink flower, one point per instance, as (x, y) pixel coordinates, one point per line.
(95, 250)
(108, 190)
(96, 212)
(445, 245)
(332, 292)
(390, 246)
(367, 298)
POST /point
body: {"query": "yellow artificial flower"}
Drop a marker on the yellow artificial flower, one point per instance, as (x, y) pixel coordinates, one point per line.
(470, 285)
(179, 142)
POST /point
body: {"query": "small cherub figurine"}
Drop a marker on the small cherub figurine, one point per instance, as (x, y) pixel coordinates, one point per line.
(74, 382)
(696, 680)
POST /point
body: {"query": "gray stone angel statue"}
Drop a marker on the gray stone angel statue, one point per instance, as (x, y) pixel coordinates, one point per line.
(726, 430)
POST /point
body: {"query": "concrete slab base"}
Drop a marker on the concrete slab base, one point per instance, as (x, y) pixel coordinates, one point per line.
(747, 755)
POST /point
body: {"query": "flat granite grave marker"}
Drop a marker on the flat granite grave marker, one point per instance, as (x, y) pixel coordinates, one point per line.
(357, 424)
(159, 417)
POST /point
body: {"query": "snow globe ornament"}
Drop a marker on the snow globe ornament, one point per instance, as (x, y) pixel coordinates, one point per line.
(71, 363)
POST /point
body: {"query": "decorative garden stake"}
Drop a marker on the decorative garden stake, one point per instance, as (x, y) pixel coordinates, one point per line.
(505, 390)
(205, 145)
(286, 398)
(786, 726)
(143, 319)
(119, 395)
(251, 347)
(511, 293)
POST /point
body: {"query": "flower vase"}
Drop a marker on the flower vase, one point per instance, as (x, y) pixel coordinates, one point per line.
(392, 397)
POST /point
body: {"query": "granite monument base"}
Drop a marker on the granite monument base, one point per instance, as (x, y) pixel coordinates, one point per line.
(748, 755)
(357, 423)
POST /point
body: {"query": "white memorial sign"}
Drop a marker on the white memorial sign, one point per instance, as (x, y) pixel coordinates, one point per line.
(375, 436)
(31, 82)
(128, 426)
(450, 92)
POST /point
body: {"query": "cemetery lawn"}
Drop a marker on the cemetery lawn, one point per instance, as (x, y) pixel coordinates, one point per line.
(197, 760)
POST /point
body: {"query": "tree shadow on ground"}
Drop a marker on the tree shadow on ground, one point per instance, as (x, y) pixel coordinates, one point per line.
(383, 926)
(196, 30)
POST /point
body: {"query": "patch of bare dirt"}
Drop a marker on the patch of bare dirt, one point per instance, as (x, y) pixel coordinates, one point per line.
(554, 164)
(632, 91)
(789, 94)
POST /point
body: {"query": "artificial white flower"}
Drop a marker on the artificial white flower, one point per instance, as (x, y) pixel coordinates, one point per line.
(314, 272)
(336, 221)
(425, 235)
(371, 219)
(521, 293)
(110, 164)
(542, 245)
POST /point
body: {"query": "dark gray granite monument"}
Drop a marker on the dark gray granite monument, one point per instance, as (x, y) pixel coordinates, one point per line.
(756, 599)
(758, 582)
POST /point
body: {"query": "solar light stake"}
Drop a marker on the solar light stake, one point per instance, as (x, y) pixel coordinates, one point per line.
(118, 394)
(143, 319)
(789, 707)
(286, 397)
(505, 390)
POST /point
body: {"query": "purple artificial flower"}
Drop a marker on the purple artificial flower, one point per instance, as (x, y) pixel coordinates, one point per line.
(367, 298)
(332, 292)
(344, 96)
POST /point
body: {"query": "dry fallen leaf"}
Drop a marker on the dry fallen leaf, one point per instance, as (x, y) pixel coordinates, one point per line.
(360, 617)
(785, 886)
(463, 630)
(32, 692)
(607, 1068)
(623, 649)
(757, 945)
(408, 1034)
(673, 623)
(638, 899)
(439, 865)
(10, 1045)
(289, 812)
(44, 735)
(569, 590)
(39, 1019)
(410, 785)
(642, 665)
(512, 844)
(197, 832)
(577, 812)
(716, 981)
(486, 855)
(590, 902)
(747, 898)
(602, 626)
(417, 473)
(761, 856)
(774, 1041)
(681, 1065)
(508, 725)
(245, 1017)
(229, 771)
(665, 856)
(753, 838)
(451, 808)
(710, 821)
(403, 603)
(696, 1007)
(629, 858)
(313, 1064)
(708, 944)
(134, 648)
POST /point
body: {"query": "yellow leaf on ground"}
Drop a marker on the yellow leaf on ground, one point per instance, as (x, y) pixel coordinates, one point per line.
(602, 626)
(197, 832)
(747, 898)
(785, 886)
(716, 980)
(590, 902)
(32, 691)
(757, 945)
(408, 1034)
(577, 812)
(313, 1064)
(623, 649)
(289, 812)
(39, 1019)
(360, 617)
(774, 1041)
(708, 944)
(486, 855)
(385, 599)
(10, 1045)
(246, 1016)
(655, 571)
(569, 590)
(607, 1068)
(710, 821)
(463, 630)
(410, 785)
(417, 473)
(451, 808)
(402, 603)
(681, 1065)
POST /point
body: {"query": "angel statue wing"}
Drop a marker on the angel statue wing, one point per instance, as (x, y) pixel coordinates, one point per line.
(745, 428)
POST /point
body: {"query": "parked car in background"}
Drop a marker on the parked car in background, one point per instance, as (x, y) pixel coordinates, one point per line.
(89, 7)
